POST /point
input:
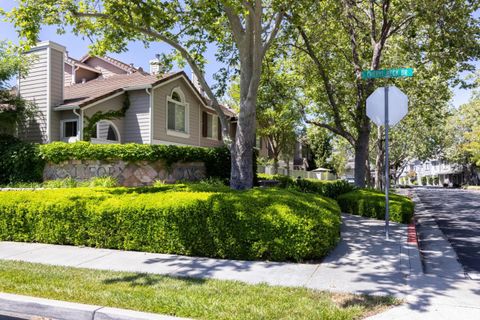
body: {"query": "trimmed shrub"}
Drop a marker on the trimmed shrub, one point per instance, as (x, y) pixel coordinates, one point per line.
(19, 161)
(217, 160)
(327, 188)
(258, 224)
(371, 203)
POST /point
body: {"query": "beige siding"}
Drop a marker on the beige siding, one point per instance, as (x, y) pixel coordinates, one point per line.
(56, 91)
(67, 78)
(137, 118)
(106, 68)
(160, 114)
(33, 87)
(115, 103)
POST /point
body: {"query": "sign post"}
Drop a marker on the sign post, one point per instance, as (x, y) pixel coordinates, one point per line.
(387, 168)
(386, 106)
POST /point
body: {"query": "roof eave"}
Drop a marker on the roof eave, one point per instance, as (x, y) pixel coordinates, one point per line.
(66, 107)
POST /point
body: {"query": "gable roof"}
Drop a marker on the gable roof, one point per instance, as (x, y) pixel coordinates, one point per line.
(71, 61)
(83, 94)
(117, 63)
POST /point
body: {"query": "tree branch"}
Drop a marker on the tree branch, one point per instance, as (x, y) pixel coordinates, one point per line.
(274, 32)
(237, 29)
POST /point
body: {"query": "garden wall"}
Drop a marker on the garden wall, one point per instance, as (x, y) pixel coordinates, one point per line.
(129, 174)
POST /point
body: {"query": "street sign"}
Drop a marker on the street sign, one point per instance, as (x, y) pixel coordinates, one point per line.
(387, 73)
(387, 106)
(397, 106)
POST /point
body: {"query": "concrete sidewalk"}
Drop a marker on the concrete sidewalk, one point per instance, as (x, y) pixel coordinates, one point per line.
(443, 291)
(364, 262)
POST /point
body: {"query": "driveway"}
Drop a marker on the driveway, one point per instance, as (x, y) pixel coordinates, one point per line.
(457, 214)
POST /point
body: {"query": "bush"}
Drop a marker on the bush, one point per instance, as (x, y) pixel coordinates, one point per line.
(327, 188)
(217, 160)
(257, 224)
(19, 161)
(371, 203)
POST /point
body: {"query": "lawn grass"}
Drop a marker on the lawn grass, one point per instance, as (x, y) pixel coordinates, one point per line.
(199, 299)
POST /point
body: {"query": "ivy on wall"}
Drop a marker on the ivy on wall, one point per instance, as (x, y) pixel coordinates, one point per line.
(91, 122)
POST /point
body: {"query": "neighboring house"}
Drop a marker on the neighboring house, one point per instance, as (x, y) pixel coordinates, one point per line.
(162, 108)
(439, 172)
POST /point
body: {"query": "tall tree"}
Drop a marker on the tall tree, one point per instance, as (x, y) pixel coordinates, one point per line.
(463, 139)
(358, 35)
(278, 113)
(242, 30)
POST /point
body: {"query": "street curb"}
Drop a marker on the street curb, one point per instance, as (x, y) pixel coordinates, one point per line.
(62, 310)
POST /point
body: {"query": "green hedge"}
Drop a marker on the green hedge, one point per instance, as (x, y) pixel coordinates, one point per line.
(19, 161)
(257, 224)
(327, 188)
(371, 203)
(217, 160)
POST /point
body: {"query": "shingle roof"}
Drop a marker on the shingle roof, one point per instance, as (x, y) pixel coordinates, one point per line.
(122, 65)
(84, 94)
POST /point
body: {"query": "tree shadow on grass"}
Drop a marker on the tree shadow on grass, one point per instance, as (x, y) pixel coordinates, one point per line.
(149, 280)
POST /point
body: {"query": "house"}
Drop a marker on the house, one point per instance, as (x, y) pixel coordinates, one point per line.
(433, 172)
(108, 101)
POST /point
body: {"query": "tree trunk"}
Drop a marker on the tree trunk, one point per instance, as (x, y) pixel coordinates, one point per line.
(361, 155)
(242, 150)
(275, 164)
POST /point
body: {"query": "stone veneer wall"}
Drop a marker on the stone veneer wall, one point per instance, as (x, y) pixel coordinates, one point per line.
(129, 174)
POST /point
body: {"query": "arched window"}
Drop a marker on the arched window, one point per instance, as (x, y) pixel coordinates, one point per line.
(105, 131)
(177, 113)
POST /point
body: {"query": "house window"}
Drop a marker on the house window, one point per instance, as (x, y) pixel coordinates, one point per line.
(177, 113)
(105, 131)
(211, 126)
(69, 128)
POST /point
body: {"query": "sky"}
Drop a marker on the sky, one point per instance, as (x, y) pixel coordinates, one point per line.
(139, 55)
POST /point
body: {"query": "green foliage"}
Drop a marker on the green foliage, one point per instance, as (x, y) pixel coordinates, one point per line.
(19, 161)
(61, 183)
(278, 114)
(105, 182)
(14, 111)
(424, 180)
(331, 189)
(98, 116)
(217, 160)
(371, 203)
(463, 134)
(258, 224)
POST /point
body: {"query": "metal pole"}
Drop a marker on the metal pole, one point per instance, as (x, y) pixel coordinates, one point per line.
(387, 167)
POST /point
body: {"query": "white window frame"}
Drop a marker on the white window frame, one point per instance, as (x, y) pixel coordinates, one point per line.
(214, 126)
(117, 132)
(175, 133)
(62, 130)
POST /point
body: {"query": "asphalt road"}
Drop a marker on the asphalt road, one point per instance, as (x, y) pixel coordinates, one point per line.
(457, 214)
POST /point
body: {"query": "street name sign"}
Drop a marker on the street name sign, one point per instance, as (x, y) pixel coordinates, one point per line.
(387, 73)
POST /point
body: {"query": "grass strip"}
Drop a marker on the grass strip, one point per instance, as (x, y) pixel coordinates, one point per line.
(184, 297)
